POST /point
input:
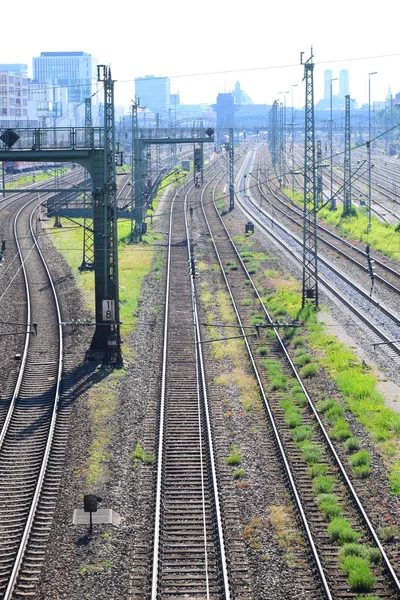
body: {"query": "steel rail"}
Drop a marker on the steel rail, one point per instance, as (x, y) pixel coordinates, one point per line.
(36, 496)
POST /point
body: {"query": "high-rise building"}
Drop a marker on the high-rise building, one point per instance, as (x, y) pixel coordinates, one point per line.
(154, 93)
(75, 70)
(327, 83)
(344, 83)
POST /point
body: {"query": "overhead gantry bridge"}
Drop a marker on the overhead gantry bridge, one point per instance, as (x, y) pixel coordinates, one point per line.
(94, 149)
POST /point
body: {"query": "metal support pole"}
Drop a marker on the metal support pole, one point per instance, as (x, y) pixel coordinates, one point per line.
(332, 205)
(347, 161)
(231, 171)
(293, 86)
(106, 340)
(310, 258)
(88, 238)
(134, 129)
(4, 177)
(369, 150)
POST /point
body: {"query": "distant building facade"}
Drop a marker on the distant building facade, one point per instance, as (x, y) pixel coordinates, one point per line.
(13, 94)
(154, 93)
(76, 71)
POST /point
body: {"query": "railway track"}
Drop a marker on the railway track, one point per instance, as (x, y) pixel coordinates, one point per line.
(383, 323)
(294, 450)
(28, 428)
(189, 549)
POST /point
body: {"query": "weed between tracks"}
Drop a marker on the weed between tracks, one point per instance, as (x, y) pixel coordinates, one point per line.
(358, 389)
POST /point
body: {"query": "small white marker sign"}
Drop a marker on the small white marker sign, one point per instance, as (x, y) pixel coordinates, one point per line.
(108, 310)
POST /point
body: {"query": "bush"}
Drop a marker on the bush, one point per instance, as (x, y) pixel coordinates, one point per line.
(279, 382)
(334, 413)
(341, 531)
(374, 555)
(326, 405)
(238, 473)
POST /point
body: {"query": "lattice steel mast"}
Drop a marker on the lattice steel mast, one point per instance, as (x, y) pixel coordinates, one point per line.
(88, 235)
(310, 262)
(107, 337)
(347, 161)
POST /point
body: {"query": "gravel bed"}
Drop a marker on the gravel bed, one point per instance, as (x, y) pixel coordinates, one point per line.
(78, 567)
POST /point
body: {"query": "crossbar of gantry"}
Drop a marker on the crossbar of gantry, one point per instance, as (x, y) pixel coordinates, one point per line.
(140, 143)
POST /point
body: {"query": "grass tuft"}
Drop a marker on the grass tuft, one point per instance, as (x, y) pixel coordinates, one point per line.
(235, 456)
(341, 531)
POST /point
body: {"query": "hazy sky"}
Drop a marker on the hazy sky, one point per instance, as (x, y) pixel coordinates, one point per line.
(205, 47)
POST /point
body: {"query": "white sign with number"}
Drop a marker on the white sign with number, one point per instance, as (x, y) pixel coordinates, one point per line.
(108, 310)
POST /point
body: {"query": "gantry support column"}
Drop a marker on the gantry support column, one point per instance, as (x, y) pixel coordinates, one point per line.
(88, 238)
(106, 341)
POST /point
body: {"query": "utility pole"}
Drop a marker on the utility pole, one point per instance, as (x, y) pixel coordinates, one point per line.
(88, 235)
(280, 143)
(292, 149)
(310, 264)
(319, 173)
(273, 138)
(332, 205)
(231, 171)
(134, 128)
(107, 338)
(347, 160)
(369, 152)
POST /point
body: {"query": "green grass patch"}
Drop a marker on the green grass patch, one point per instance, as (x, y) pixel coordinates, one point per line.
(263, 350)
(302, 433)
(238, 473)
(311, 452)
(341, 531)
(328, 504)
(388, 533)
(359, 575)
(302, 359)
(235, 456)
(247, 302)
(361, 458)
(309, 371)
(141, 455)
(352, 444)
(324, 484)
(292, 419)
(316, 470)
(341, 430)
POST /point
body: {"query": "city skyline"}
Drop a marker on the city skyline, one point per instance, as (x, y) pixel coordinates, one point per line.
(204, 53)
